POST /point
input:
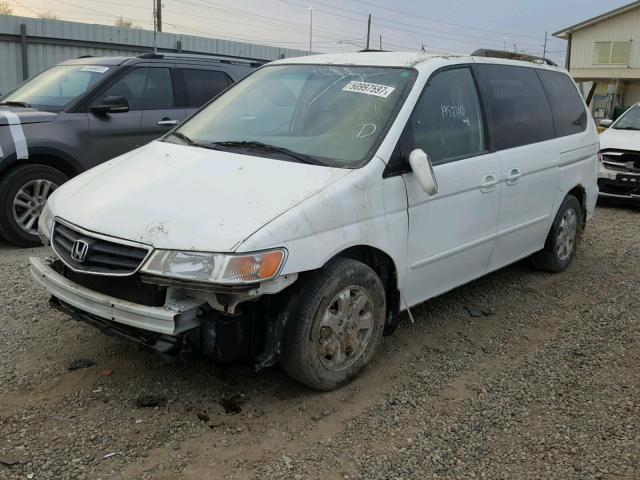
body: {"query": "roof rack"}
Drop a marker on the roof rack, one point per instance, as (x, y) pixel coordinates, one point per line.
(209, 58)
(485, 52)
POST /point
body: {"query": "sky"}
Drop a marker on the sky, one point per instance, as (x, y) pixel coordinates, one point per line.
(340, 25)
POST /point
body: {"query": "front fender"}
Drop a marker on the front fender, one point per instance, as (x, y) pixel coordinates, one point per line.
(361, 209)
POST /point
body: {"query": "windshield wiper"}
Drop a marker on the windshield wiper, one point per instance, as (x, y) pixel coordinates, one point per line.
(184, 138)
(16, 104)
(251, 145)
(627, 128)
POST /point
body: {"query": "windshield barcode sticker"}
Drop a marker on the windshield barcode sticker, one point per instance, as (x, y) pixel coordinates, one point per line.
(369, 89)
(94, 69)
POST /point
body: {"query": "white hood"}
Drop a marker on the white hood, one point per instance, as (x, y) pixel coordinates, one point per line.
(187, 198)
(620, 139)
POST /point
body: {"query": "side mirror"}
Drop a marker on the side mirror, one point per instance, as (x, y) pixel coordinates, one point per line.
(112, 104)
(423, 170)
(605, 123)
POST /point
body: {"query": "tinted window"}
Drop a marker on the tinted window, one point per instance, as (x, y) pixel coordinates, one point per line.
(447, 121)
(131, 87)
(569, 114)
(203, 85)
(517, 105)
(159, 90)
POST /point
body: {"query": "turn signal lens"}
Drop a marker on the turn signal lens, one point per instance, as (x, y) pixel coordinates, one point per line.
(261, 266)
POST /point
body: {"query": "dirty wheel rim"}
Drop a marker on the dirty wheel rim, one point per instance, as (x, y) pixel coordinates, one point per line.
(28, 203)
(566, 240)
(345, 329)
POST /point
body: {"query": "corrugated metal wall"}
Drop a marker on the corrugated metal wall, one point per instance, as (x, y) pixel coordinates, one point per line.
(51, 41)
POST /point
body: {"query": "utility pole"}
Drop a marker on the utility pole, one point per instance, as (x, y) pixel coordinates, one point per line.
(368, 31)
(310, 30)
(155, 27)
(159, 15)
(544, 50)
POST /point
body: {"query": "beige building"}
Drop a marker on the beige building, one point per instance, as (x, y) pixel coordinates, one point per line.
(603, 56)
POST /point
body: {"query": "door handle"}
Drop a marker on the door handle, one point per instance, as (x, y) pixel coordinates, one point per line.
(168, 123)
(489, 183)
(513, 177)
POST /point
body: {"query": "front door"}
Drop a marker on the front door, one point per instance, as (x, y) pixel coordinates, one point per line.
(113, 134)
(451, 234)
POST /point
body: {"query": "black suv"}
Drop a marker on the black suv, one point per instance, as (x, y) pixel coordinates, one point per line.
(85, 111)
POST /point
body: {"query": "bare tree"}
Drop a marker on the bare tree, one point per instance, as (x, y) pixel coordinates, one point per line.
(48, 15)
(5, 9)
(122, 22)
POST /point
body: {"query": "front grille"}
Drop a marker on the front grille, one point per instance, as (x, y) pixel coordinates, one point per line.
(130, 288)
(622, 160)
(617, 187)
(101, 256)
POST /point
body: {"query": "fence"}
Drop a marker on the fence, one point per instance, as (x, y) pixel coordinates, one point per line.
(29, 46)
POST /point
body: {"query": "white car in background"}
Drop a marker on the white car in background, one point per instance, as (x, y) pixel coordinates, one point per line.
(296, 215)
(619, 176)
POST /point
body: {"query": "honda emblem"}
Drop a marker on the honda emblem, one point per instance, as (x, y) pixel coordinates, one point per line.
(79, 251)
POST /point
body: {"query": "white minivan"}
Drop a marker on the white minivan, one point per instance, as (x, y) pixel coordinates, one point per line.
(293, 217)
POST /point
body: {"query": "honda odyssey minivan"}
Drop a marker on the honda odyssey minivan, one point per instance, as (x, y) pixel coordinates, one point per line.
(293, 218)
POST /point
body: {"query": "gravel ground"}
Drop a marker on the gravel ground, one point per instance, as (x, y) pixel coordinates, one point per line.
(547, 387)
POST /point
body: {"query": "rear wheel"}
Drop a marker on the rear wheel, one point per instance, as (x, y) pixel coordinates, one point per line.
(562, 241)
(338, 325)
(23, 194)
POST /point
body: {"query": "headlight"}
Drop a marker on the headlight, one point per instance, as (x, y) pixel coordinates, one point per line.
(45, 222)
(215, 267)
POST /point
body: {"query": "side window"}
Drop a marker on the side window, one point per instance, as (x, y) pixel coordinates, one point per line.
(518, 108)
(159, 90)
(131, 87)
(202, 85)
(447, 120)
(569, 114)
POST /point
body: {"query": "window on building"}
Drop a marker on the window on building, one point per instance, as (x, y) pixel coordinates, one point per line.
(612, 53)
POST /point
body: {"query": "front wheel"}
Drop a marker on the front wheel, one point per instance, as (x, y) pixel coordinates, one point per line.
(562, 241)
(337, 327)
(23, 194)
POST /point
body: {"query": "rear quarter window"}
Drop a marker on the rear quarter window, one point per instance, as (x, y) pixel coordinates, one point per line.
(518, 109)
(569, 114)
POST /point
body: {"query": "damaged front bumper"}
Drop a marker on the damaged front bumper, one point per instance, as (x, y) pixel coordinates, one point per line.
(619, 181)
(172, 318)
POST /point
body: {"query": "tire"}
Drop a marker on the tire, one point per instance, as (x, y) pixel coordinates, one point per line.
(37, 181)
(562, 240)
(317, 355)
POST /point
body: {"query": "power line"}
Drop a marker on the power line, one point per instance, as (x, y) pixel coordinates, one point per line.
(422, 33)
(415, 15)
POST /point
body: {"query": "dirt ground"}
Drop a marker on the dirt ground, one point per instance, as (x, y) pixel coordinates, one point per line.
(545, 385)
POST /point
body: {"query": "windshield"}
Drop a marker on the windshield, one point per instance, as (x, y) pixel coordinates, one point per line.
(630, 120)
(333, 115)
(58, 86)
